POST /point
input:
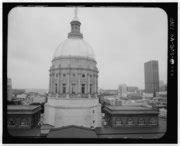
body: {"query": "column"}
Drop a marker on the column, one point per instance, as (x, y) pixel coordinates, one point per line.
(94, 84)
(60, 91)
(52, 83)
(89, 95)
(79, 84)
(88, 82)
(57, 81)
(68, 81)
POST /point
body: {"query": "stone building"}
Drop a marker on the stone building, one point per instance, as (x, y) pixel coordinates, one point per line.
(23, 116)
(73, 83)
(131, 116)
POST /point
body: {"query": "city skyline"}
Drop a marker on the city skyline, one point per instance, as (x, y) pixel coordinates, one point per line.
(35, 33)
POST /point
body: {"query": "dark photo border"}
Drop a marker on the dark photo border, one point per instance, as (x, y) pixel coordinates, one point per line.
(170, 136)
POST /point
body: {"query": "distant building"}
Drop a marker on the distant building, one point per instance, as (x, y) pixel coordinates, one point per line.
(128, 92)
(131, 116)
(111, 101)
(21, 96)
(108, 92)
(122, 91)
(23, 116)
(162, 86)
(18, 91)
(151, 71)
(132, 89)
(9, 89)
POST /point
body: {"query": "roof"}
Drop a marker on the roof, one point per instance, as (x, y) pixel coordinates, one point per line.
(130, 109)
(74, 47)
(72, 132)
(23, 109)
(46, 126)
(132, 132)
(24, 132)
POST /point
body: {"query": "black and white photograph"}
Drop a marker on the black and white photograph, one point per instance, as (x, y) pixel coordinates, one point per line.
(78, 72)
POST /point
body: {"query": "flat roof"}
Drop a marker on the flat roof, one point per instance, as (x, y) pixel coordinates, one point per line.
(128, 107)
(22, 107)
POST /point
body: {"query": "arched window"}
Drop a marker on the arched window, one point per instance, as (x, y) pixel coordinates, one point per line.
(83, 75)
(130, 121)
(24, 122)
(118, 122)
(141, 121)
(64, 75)
(11, 123)
(152, 121)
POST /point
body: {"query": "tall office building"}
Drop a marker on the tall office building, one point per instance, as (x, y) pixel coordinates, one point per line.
(151, 72)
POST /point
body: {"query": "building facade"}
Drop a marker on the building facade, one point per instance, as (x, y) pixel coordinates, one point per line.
(73, 83)
(151, 72)
(23, 116)
(131, 116)
(122, 91)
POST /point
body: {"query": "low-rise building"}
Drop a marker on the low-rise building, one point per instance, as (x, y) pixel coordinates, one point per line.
(131, 116)
(23, 116)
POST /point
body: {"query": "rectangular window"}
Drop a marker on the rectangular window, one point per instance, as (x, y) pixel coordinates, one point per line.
(83, 88)
(64, 88)
(56, 88)
(90, 88)
(73, 88)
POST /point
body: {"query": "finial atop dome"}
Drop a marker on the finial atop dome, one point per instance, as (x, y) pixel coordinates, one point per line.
(75, 14)
(75, 26)
(75, 11)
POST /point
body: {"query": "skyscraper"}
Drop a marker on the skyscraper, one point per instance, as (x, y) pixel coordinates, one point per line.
(151, 73)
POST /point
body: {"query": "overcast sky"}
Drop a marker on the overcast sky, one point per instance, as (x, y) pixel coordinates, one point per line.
(123, 39)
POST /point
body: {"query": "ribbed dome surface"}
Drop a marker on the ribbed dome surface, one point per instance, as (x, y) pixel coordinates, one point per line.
(74, 47)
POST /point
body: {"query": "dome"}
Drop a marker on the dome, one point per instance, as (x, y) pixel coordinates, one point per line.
(74, 47)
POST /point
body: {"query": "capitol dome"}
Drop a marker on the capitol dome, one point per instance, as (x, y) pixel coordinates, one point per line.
(74, 47)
